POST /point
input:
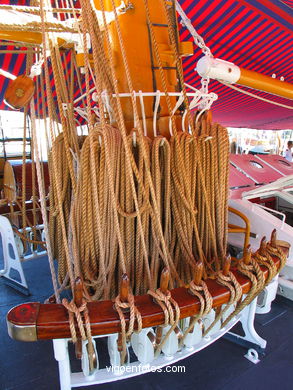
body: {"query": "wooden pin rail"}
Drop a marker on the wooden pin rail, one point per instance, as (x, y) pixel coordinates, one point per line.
(37, 321)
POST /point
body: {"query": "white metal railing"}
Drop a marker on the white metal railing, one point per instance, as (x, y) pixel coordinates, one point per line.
(197, 99)
(34, 250)
(272, 211)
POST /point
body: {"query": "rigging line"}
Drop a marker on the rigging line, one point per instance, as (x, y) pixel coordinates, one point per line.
(255, 96)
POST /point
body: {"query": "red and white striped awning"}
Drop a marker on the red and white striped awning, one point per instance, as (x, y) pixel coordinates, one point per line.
(254, 34)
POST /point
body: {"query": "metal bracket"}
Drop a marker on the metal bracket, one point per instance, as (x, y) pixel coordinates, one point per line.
(247, 322)
(252, 356)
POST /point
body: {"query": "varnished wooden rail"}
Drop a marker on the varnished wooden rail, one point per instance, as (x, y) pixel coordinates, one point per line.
(37, 321)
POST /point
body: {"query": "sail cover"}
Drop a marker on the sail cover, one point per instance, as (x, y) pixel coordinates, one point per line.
(254, 34)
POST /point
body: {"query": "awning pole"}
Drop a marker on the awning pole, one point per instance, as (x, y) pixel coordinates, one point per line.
(227, 72)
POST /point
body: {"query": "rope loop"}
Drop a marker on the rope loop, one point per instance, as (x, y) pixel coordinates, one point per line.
(164, 300)
(206, 304)
(230, 280)
(208, 300)
(253, 272)
(277, 251)
(264, 258)
(134, 314)
(75, 312)
(233, 285)
(168, 305)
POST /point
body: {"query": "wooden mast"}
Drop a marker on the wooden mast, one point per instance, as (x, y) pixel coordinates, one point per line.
(142, 60)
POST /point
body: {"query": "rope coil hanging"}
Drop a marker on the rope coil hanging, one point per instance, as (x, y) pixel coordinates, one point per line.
(121, 202)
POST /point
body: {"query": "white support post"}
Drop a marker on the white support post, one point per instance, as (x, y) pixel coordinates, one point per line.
(62, 356)
(247, 322)
(11, 258)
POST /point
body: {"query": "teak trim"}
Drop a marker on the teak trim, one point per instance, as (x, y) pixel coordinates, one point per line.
(37, 321)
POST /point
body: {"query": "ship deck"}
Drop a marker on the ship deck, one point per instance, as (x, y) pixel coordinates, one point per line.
(221, 366)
